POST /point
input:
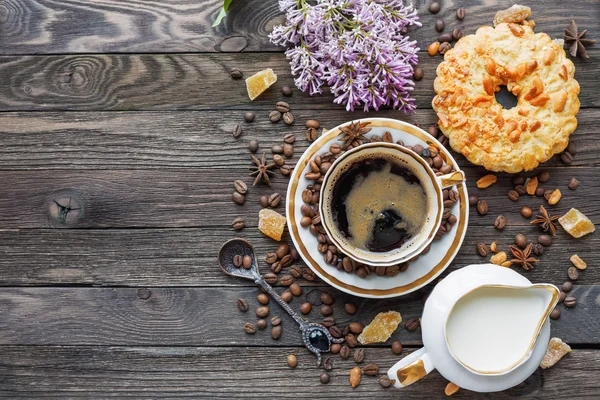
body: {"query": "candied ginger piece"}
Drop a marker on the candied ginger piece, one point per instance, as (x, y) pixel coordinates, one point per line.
(556, 350)
(576, 223)
(271, 223)
(259, 82)
(516, 13)
(381, 328)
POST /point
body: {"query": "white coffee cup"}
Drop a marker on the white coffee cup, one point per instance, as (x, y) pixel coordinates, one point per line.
(432, 186)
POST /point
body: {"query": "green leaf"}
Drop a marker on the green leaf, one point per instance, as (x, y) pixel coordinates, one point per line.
(222, 13)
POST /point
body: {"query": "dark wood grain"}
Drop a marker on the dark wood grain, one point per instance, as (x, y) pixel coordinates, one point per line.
(184, 82)
(250, 372)
(163, 139)
(209, 317)
(188, 257)
(38, 26)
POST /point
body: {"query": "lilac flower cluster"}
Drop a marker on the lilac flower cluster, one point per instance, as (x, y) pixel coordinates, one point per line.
(357, 47)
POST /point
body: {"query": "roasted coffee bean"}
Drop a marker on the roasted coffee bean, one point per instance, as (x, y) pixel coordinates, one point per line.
(276, 332)
(286, 91)
(289, 138)
(518, 180)
(573, 273)
(285, 170)
(412, 324)
(249, 328)
(335, 331)
(324, 378)
(240, 187)
(433, 131)
(312, 134)
(350, 308)
(418, 74)
(548, 194)
(247, 262)
(288, 118)
(562, 296)
(326, 310)
(521, 240)
(253, 146)
(539, 192)
(305, 308)
(238, 260)
(345, 352)
(237, 131)
(249, 116)
(355, 327)
(345, 330)
(296, 289)
(305, 221)
(326, 298)
(307, 210)
(276, 320)
(439, 25)
(566, 157)
(571, 149)
(544, 176)
(286, 280)
(238, 198)
(461, 13)
(276, 149)
(351, 340)
(296, 271)
(482, 249)
(555, 314)
(274, 116)
(570, 302)
(537, 249)
(287, 296)
(513, 195)
(270, 258)
(371, 369)
(473, 200)
(385, 382)
(520, 189)
(545, 240)
(482, 207)
(238, 224)
(261, 324)
(567, 287)
(274, 200)
(526, 212)
(359, 355)
(262, 311)
(270, 278)
(278, 160)
(573, 183)
(236, 73)
(457, 34)
(500, 222)
(282, 107)
(328, 363)
(242, 305)
(397, 347)
(328, 322)
(264, 201)
(445, 37)
(308, 275)
(434, 7)
(292, 361)
(312, 123)
(288, 150)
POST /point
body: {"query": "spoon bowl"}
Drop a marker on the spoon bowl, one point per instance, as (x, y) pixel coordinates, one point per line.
(241, 247)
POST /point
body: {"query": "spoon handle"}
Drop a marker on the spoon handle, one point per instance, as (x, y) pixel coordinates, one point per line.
(269, 289)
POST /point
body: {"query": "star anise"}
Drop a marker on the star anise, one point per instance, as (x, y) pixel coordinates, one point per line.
(522, 257)
(576, 41)
(354, 131)
(262, 170)
(546, 221)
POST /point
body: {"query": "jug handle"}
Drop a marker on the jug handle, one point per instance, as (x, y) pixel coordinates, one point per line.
(451, 179)
(411, 368)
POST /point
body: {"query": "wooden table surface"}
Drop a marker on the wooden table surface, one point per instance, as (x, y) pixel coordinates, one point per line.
(130, 104)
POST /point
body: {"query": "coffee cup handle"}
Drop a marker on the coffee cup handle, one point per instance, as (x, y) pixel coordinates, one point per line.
(451, 179)
(411, 368)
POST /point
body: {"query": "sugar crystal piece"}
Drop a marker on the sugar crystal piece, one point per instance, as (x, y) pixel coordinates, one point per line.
(576, 223)
(556, 350)
(381, 328)
(259, 82)
(515, 14)
(271, 223)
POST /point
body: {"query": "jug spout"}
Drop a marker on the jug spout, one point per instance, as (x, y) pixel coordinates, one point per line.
(492, 329)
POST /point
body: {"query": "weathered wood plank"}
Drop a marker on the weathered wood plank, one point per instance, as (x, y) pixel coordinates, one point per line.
(199, 372)
(189, 197)
(184, 81)
(38, 27)
(162, 139)
(188, 257)
(208, 317)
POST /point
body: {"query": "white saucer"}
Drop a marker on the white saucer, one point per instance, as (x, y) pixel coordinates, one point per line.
(421, 271)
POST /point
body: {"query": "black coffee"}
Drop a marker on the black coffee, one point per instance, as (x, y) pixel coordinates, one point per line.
(378, 204)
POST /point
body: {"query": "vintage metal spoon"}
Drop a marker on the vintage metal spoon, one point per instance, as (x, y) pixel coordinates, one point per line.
(316, 337)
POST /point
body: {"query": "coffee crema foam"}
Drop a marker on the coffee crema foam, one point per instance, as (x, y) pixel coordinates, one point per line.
(379, 205)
